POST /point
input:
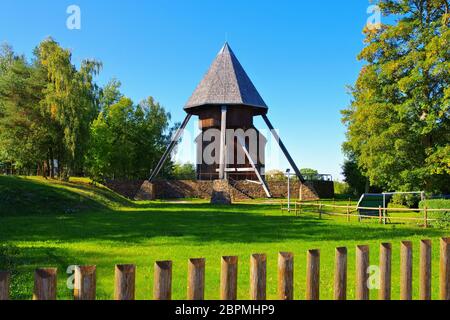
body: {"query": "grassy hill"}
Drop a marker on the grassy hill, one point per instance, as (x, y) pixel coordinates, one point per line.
(34, 195)
(47, 223)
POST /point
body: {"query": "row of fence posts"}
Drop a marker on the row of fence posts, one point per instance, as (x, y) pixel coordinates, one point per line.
(45, 282)
(382, 216)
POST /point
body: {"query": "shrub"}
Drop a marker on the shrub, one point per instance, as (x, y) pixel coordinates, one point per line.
(341, 188)
(444, 216)
(409, 200)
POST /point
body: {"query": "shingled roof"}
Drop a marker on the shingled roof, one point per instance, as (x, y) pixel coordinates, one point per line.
(226, 83)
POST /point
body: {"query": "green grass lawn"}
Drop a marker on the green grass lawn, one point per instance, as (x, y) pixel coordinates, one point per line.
(50, 224)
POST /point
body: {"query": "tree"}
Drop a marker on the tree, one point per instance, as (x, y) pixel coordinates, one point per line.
(110, 94)
(398, 122)
(46, 109)
(184, 171)
(357, 183)
(70, 100)
(127, 140)
(309, 174)
(24, 135)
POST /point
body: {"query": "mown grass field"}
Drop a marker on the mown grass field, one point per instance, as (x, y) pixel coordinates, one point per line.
(52, 224)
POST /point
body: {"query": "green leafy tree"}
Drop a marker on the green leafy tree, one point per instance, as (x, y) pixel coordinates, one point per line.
(184, 171)
(128, 140)
(24, 135)
(398, 122)
(358, 184)
(309, 174)
(70, 99)
(46, 108)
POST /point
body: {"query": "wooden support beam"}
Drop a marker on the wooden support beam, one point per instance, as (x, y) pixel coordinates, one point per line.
(169, 149)
(223, 131)
(284, 149)
(252, 163)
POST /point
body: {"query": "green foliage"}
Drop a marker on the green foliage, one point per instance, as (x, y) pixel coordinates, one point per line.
(184, 172)
(307, 172)
(46, 108)
(342, 188)
(126, 139)
(405, 200)
(50, 110)
(444, 216)
(398, 122)
(435, 204)
(357, 183)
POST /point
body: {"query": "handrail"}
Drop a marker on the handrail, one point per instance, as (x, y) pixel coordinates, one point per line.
(372, 208)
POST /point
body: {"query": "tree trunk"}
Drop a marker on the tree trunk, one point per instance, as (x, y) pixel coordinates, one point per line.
(52, 164)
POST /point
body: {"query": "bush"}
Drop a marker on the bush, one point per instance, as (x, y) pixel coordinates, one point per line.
(341, 188)
(444, 216)
(409, 200)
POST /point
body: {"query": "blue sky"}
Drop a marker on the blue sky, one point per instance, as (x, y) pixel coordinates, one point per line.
(301, 55)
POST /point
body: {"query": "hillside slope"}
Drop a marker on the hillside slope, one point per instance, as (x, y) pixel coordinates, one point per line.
(34, 195)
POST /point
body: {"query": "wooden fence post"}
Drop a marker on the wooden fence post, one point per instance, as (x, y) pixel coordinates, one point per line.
(385, 271)
(125, 282)
(425, 270)
(320, 211)
(228, 278)
(196, 279)
(162, 280)
(380, 214)
(45, 284)
(406, 269)
(425, 217)
(5, 278)
(85, 283)
(348, 213)
(340, 274)
(286, 276)
(362, 265)
(313, 275)
(258, 277)
(445, 269)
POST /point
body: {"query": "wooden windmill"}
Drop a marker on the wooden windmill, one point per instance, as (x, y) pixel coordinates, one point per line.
(225, 100)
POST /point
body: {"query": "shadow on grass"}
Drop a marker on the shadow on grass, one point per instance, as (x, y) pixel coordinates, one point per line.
(196, 223)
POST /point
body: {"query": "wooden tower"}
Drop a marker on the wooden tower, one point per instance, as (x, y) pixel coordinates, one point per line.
(226, 102)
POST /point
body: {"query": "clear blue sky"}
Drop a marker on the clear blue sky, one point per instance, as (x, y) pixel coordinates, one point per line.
(301, 55)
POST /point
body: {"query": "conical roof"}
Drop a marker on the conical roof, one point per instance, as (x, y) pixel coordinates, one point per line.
(226, 83)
